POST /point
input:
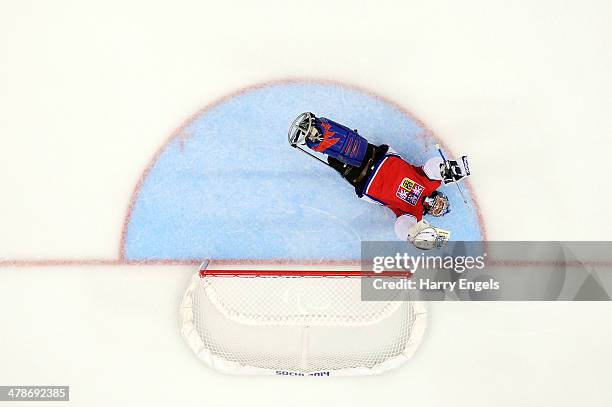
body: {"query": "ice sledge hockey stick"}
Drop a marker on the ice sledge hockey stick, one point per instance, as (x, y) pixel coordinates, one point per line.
(312, 155)
(456, 183)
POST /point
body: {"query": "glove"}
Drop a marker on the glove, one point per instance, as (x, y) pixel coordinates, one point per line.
(453, 171)
(425, 236)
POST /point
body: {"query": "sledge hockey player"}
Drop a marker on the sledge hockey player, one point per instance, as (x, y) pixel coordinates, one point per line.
(381, 176)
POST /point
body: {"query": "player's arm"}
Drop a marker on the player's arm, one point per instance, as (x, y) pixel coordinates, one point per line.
(420, 233)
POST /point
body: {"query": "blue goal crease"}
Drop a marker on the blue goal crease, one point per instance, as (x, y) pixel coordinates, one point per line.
(232, 187)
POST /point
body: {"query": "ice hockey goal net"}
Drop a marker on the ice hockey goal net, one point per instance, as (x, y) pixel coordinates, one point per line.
(296, 323)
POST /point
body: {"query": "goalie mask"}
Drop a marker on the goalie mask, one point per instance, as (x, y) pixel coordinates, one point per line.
(437, 204)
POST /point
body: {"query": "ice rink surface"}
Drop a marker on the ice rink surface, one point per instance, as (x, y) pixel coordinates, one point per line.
(91, 92)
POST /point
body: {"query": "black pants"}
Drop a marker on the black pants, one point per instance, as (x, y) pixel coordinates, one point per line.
(358, 176)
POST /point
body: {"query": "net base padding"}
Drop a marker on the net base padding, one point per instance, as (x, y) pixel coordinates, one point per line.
(307, 326)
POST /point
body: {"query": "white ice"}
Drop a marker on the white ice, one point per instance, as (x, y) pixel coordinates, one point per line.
(89, 91)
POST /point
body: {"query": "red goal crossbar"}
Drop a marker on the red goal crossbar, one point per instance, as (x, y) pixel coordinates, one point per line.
(299, 273)
(206, 272)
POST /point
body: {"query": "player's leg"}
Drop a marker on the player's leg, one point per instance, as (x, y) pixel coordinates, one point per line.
(374, 157)
(350, 173)
(358, 176)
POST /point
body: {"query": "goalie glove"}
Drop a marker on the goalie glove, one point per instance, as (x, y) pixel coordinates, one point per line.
(453, 171)
(425, 236)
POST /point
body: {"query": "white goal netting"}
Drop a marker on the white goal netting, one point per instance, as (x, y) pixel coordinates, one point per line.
(297, 325)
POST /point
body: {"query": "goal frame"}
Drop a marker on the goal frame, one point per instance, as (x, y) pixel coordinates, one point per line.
(192, 336)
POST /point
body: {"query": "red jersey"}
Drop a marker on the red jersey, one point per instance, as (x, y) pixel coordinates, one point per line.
(400, 186)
